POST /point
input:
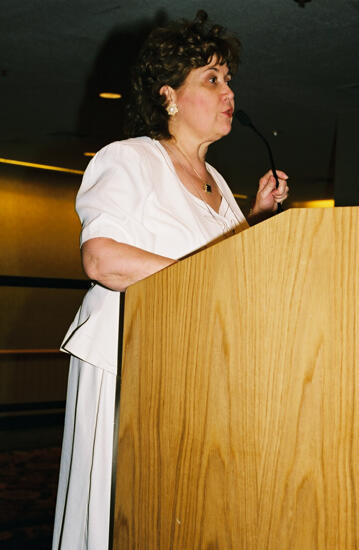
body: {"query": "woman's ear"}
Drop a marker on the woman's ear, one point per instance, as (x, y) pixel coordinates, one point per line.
(168, 93)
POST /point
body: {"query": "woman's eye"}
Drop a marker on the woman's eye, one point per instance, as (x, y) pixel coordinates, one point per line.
(213, 79)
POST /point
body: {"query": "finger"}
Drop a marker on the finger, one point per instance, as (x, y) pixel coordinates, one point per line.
(282, 186)
(281, 174)
(265, 179)
(268, 188)
(280, 197)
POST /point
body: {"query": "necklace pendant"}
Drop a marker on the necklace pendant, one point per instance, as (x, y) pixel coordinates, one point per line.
(207, 188)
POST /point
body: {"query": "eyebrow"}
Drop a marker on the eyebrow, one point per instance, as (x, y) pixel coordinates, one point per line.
(214, 68)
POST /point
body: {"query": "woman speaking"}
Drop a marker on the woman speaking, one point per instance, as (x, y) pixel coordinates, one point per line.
(144, 203)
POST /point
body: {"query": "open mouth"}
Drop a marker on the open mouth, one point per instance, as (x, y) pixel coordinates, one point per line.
(228, 113)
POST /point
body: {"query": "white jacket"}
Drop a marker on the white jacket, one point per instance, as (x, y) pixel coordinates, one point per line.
(131, 193)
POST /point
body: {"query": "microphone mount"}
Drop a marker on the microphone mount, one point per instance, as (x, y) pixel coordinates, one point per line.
(244, 119)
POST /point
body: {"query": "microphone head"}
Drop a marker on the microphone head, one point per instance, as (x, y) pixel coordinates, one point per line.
(243, 118)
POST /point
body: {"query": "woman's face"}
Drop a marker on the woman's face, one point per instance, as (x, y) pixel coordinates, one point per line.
(205, 103)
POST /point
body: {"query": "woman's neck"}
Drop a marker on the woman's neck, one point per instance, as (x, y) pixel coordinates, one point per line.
(195, 153)
(194, 148)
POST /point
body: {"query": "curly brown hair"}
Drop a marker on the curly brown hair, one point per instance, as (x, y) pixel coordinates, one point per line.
(167, 56)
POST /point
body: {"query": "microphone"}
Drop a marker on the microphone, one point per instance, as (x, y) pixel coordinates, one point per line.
(246, 121)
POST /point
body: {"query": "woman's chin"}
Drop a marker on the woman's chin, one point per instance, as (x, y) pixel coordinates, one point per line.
(222, 131)
(226, 129)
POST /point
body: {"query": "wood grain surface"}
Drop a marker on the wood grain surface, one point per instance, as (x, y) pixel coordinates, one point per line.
(239, 415)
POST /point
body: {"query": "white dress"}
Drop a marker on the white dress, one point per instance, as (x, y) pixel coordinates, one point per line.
(130, 193)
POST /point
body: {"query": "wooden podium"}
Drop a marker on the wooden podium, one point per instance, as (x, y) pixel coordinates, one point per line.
(239, 405)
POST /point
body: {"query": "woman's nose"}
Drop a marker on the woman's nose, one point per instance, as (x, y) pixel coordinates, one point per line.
(229, 96)
(229, 93)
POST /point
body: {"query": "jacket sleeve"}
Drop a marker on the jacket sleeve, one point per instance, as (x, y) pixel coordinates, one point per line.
(112, 198)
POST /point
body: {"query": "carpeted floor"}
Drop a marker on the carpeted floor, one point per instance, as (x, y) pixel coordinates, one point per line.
(28, 484)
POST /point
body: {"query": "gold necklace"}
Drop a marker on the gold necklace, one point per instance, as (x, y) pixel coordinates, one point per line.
(225, 228)
(207, 188)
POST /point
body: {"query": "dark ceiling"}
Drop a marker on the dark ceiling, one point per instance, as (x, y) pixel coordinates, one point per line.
(299, 74)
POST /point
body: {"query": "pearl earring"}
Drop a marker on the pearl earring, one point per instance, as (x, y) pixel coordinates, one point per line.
(172, 109)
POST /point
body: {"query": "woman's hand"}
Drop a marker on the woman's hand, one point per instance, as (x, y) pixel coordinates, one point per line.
(268, 196)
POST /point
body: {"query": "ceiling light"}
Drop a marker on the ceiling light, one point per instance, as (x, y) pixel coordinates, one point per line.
(110, 95)
(326, 203)
(89, 154)
(239, 196)
(41, 166)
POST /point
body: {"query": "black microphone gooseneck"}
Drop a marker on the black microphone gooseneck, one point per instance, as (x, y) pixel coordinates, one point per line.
(246, 121)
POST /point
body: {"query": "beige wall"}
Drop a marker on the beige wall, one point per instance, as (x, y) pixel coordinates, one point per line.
(39, 237)
(40, 230)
